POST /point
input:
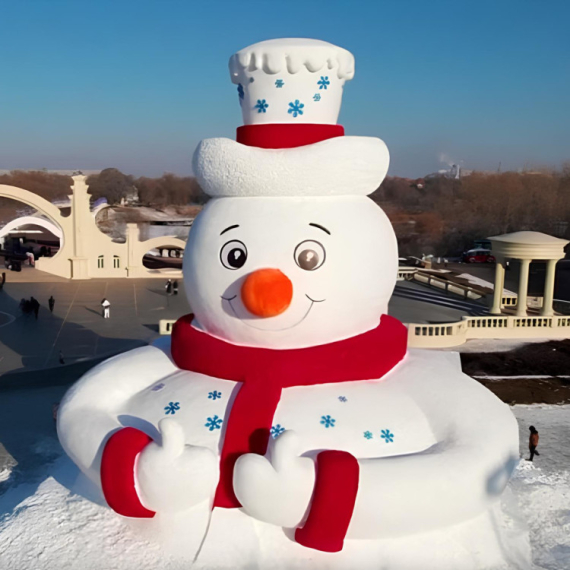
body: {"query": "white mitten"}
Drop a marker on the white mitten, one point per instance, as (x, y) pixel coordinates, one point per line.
(173, 477)
(276, 488)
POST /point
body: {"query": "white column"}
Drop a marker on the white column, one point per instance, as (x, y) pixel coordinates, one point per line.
(549, 288)
(523, 288)
(499, 286)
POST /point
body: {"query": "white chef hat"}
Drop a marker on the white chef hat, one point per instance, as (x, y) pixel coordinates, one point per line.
(290, 92)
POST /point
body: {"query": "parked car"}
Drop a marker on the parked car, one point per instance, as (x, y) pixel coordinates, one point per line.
(478, 256)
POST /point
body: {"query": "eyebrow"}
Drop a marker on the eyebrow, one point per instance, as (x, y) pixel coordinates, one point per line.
(320, 228)
(230, 228)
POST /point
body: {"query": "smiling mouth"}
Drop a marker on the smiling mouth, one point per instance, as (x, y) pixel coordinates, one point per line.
(313, 301)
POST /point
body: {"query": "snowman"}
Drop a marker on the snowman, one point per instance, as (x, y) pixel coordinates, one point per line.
(286, 424)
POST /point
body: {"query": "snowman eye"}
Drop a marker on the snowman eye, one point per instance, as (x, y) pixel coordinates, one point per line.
(233, 254)
(309, 255)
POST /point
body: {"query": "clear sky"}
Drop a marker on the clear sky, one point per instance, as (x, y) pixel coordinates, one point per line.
(136, 84)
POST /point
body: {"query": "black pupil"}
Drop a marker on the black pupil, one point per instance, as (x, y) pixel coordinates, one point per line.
(236, 257)
(308, 259)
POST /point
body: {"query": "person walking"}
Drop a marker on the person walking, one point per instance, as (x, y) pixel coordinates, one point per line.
(35, 306)
(168, 287)
(175, 287)
(51, 303)
(533, 442)
(106, 308)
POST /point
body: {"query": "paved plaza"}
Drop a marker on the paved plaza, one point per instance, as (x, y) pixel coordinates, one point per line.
(76, 327)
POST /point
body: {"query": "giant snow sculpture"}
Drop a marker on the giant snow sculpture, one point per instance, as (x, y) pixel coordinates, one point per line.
(287, 425)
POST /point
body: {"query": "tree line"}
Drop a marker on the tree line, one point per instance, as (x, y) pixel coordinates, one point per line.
(113, 185)
(437, 215)
(444, 216)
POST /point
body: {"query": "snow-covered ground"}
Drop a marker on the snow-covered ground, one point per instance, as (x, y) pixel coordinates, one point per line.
(484, 283)
(494, 344)
(51, 519)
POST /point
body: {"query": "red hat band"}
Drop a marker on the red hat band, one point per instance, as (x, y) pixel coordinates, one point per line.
(286, 135)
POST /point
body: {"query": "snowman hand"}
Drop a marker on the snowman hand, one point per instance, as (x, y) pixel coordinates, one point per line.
(277, 490)
(174, 476)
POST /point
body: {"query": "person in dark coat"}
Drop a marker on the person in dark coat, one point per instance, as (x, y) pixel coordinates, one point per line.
(533, 442)
(35, 306)
(175, 287)
(51, 303)
(168, 287)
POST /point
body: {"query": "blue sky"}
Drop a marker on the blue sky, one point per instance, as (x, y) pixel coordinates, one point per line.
(136, 84)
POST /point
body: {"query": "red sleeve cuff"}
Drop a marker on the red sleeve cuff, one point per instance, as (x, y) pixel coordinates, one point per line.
(118, 472)
(333, 502)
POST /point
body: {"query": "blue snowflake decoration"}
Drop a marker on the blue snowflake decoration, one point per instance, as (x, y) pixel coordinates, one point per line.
(342, 398)
(171, 408)
(387, 436)
(279, 83)
(276, 431)
(214, 423)
(368, 435)
(296, 108)
(214, 395)
(324, 82)
(261, 106)
(158, 387)
(240, 91)
(316, 97)
(327, 421)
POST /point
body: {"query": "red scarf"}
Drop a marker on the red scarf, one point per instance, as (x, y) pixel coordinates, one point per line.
(265, 372)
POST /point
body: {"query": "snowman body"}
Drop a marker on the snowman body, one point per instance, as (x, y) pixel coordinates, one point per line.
(291, 257)
(411, 412)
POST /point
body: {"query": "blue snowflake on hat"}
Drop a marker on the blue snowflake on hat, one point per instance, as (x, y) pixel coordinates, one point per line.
(324, 82)
(296, 108)
(261, 106)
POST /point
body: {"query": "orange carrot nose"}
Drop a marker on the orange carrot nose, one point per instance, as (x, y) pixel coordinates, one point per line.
(266, 292)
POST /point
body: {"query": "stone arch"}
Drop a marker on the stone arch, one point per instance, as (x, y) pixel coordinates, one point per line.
(33, 200)
(59, 263)
(161, 242)
(31, 221)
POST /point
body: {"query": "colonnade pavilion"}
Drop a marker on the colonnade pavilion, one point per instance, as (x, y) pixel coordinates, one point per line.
(526, 247)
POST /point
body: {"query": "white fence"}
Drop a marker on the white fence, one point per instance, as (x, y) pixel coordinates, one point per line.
(492, 327)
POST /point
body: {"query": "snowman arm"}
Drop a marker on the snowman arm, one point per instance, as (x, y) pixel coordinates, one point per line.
(456, 479)
(88, 414)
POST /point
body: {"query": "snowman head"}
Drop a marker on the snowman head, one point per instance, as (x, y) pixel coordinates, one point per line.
(289, 272)
(290, 252)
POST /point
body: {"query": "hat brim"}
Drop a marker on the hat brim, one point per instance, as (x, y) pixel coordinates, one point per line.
(341, 166)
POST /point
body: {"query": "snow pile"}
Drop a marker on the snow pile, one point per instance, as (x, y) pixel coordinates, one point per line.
(55, 520)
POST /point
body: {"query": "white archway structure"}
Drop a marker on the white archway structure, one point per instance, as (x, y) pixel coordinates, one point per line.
(526, 247)
(61, 263)
(87, 252)
(31, 221)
